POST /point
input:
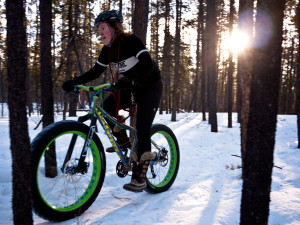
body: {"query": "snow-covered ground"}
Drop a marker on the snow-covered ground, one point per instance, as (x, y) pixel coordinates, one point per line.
(208, 186)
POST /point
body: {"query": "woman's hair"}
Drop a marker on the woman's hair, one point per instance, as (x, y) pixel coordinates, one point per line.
(120, 34)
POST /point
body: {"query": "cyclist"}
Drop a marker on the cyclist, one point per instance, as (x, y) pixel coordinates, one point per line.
(141, 76)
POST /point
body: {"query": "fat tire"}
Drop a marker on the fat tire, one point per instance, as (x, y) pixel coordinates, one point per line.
(174, 159)
(38, 147)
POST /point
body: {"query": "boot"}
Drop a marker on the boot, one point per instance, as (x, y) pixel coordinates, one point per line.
(121, 135)
(122, 140)
(139, 170)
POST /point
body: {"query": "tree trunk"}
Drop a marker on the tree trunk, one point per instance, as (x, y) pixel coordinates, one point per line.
(46, 81)
(245, 23)
(212, 66)
(70, 60)
(19, 139)
(166, 59)
(230, 70)
(290, 79)
(2, 92)
(298, 83)
(203, 64)
(194, 100)
(261, 127)
(140, 18)
(177, 60)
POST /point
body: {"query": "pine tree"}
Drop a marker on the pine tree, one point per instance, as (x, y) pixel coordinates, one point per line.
(258, 163)
(211, 66)
(298, 82)
(19, 139)
(46, 80)
(175, 91)
(140, 18)
(230, 69)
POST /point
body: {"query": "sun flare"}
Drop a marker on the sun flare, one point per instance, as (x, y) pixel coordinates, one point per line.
(238, 41)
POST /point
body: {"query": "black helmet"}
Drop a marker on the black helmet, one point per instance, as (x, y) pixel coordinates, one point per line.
(109, 15)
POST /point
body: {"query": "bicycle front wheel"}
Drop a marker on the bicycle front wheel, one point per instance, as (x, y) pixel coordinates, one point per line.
(60, 190)
(162, 173)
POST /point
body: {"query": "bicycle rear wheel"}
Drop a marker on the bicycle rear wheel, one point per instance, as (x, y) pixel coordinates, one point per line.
(61, 192)
(162, 174)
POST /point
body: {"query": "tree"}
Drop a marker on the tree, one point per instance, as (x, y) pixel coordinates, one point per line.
(140, 18)
(195, 95)
(2, 67)
(176, 59)
(298, 82)
(155, 17)
(18, 127)
(230, 69)
(167, 58)
(245, 24)
(46, 79)
(211, 27)
(258, 163)
(70, 57)
(203, 62)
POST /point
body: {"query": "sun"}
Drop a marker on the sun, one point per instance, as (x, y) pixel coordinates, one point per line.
(237, 42)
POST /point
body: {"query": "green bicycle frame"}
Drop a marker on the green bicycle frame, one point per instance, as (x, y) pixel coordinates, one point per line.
(98, 112)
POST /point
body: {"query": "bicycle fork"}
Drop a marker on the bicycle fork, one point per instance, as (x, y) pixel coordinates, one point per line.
(82, 165)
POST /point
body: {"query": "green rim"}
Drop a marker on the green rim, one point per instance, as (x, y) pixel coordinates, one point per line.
(93, 182)
(173, 160)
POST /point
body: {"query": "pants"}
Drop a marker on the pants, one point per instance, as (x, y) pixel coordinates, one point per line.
(147, 101)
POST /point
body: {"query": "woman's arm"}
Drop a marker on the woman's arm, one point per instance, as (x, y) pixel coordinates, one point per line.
(90, 75)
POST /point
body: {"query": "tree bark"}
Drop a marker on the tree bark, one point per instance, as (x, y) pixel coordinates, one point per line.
(298, 83)
(261, 127)
(177, 60)
(203, 64)
(212, 65)
(245, 24)
(18, 128)
(46, 81)
(166, 59)
(140, 18)
(194, 101)
(230, 69)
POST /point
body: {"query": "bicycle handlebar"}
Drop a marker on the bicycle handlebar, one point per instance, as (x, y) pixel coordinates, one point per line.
(93, 88)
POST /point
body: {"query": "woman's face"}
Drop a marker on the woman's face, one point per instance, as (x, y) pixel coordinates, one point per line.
(105, 33)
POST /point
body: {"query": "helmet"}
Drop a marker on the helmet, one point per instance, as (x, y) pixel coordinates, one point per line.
(109, 15)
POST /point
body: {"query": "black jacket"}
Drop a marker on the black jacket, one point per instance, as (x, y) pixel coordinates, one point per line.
(129, 54)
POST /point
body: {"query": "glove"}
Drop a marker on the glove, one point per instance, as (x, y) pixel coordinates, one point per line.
(69, 85)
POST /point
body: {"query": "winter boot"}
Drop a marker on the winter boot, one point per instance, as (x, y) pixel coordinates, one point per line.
(122, 138)
(139, 170)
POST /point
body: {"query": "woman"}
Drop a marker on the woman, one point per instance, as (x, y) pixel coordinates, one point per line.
(141, 75)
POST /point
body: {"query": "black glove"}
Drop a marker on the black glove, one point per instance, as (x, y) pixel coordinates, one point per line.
(69, 85)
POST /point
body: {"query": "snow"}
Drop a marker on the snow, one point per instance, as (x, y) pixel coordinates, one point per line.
(208, 185)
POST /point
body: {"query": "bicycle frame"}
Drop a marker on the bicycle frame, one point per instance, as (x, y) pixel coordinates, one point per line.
(95, 113)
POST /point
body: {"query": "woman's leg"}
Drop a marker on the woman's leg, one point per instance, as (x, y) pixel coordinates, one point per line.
(148, 103)
(110, 104)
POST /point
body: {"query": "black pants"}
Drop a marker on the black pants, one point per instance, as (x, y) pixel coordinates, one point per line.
(147, 101)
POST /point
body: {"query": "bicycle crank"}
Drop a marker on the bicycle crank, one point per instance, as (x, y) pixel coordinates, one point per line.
(121, 169)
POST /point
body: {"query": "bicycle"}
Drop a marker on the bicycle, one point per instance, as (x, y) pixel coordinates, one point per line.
(69, 163)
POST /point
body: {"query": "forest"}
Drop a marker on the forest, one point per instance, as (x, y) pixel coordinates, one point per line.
(215, 56)
(75, 46)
